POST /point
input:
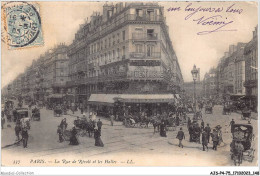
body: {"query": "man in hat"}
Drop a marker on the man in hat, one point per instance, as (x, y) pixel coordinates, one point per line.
(59, 131)
(215, 139)
(207, 130)
(232, 123)
(202, 125)
(99, 125)
(204, 140)
(180, 136)
(112, 119)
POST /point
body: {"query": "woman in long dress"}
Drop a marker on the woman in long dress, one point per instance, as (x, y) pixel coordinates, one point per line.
(98, 141)
(162, 130)
(73, 138)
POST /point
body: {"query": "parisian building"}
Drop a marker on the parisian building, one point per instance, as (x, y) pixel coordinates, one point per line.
(251, 69)
(126, 50)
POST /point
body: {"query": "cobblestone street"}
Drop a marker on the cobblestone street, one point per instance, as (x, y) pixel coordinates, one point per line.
(141, 144)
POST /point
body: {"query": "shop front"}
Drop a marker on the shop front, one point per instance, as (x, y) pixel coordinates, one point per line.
(134, 104)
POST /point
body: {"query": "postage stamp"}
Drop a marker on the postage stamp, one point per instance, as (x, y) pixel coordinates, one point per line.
(21, 25)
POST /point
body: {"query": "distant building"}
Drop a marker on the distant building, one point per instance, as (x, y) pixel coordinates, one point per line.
(210, 84)
(251, 69)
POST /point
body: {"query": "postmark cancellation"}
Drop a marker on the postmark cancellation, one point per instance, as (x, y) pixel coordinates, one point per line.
(21, 25)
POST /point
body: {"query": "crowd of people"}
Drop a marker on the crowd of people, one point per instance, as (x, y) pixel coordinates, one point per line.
(176, 116)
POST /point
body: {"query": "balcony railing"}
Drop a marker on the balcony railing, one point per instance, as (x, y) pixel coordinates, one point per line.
(144, 36)
(250, 83)
(107, 28)
(143, 55)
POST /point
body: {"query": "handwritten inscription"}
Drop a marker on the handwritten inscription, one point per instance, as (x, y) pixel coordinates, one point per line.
(217, 21)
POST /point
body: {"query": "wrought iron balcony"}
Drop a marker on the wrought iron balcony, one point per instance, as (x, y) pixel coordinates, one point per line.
(144, 36)
(143, 55)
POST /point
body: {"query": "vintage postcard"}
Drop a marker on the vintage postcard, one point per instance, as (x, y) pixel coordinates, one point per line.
(129, 83)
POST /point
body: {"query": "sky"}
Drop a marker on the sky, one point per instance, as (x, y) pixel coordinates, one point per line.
(186, 21)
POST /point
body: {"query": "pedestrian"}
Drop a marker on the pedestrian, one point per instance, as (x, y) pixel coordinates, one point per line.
(112, 119)
(204, 140)
(17, 131)
(177, 122)
(98, 141)
(202, 125)
(162, 130)
(25, 137)
(99, 125)
(59, 131)
(231, 124)
(214, 136)
(189, 122)
(63, 124)
(73, 138)
(2, 121)
(208, 130)
(180, 136)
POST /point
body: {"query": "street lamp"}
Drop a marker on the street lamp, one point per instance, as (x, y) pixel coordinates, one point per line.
(194, 73)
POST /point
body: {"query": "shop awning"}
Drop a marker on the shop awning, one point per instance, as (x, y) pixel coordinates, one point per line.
(146, 98)
(131, 98)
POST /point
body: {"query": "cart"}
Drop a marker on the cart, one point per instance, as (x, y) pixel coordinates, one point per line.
(241, 145)
(36, 116)
(246, 115)
(57, 112)
(208, 110)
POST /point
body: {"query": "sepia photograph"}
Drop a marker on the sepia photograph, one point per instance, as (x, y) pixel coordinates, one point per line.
(140, 83)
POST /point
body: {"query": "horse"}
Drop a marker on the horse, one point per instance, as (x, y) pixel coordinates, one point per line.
(90, 126)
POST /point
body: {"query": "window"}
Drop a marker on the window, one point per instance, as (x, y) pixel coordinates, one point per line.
(150, 13)
(123, 51)
(139, 12)
(138, 48)
(118, 53)
(118, 37)
(114, 40)
(109, 42)
(114, 55)
(150, 50)
(150, 33)
(123, 35)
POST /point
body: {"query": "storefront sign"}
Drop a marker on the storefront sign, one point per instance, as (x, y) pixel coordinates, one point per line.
(147, 74)
(145, 63)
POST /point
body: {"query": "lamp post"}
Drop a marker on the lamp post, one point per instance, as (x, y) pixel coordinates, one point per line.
(194, 73)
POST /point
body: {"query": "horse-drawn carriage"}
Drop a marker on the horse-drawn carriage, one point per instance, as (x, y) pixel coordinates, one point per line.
(22, 115)
(57, 111)
(36, 116)
(135, 121)
(84, 126)
(194, 131)
(226, 110)
(240, 146)
(171, 124)
(208, 109)
(197, 115)
(246, 114)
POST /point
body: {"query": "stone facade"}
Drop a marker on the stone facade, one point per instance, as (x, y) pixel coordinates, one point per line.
(125, 50)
